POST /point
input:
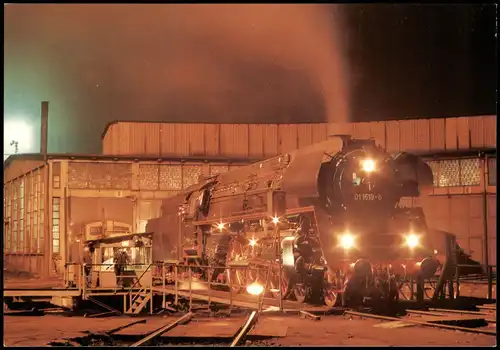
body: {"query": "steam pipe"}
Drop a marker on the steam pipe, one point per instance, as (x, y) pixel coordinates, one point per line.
(43, 149)
(44, 129)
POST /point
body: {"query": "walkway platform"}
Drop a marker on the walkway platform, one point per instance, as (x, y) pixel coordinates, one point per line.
(49, 292)
(239, 300)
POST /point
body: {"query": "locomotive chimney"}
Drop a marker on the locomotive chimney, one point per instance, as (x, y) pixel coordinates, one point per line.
(44, 129)
(345, 138)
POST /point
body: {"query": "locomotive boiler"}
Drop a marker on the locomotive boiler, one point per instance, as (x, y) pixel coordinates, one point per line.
(321, 222)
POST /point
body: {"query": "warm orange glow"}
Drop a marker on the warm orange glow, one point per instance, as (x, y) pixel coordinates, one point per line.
(221, 226)
(346, 241)
(253, 242)
(276, 220)
(255, 288)
(368, 165)
(412, 240)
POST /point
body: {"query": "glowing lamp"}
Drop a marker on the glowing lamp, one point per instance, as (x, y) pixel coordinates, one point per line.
(347, 241)
(255, 288)
(220, 226)
(276, 220)
(412, 240)
(253, 242)
(368, 165)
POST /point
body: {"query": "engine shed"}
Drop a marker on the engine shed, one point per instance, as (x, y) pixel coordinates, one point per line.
(51, 204)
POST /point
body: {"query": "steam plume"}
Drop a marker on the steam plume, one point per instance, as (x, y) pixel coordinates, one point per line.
(219, 63)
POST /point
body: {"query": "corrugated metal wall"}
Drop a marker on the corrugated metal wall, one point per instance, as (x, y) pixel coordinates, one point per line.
(463, 202)
(266, 140)
(24, 241)
(463, 216)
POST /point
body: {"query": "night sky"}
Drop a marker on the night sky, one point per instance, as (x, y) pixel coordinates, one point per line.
(277, 64)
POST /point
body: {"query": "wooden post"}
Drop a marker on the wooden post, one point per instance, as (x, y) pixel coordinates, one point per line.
(280, 266)
(163, 302)
(176, 275)
(485, 213)
(229, 279)
(209, 286)
(490, 282)
(151, 294)
(84, 282)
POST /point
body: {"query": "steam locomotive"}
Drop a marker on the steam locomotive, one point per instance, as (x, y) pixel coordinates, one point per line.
(322, 223)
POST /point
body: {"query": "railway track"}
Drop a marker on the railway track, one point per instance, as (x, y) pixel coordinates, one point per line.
(478, 322)
(195, 328)
(188, 329)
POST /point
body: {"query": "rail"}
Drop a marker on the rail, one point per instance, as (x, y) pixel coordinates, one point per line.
(421, 323)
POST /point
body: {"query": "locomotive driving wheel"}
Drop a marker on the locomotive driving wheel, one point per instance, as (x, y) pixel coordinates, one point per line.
(333, 284)
(236, 276)
(300, 292)
(276, 285)
(330, 297)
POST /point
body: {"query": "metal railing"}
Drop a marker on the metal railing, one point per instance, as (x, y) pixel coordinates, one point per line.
(489, 276)
(181, 279)
(187, 278)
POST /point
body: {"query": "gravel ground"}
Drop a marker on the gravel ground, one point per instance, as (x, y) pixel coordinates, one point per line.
(330, 330)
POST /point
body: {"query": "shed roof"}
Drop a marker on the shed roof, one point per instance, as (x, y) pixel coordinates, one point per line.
(136, 158)
(108, 125)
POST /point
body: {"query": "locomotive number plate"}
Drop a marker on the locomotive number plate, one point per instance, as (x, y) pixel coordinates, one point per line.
(367, 197)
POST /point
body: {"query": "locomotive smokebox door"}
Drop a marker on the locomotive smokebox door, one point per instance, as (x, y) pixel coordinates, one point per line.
(276, 203)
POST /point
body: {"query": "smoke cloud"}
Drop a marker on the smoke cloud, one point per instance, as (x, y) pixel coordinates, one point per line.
(203, 63)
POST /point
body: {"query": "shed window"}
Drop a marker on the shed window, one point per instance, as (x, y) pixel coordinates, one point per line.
(492, 171)
(7, 217)
(56, 202)
(456, 172)
(15, 217)
(56, 175)
(22, 246)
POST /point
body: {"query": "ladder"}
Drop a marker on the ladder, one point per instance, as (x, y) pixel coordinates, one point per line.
(138, 300)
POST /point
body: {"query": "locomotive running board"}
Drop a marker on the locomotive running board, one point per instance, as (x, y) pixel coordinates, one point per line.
(239, 263)
(255, 216)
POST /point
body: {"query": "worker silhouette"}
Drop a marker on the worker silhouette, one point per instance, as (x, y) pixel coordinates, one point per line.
(87, 264)
(121, 259)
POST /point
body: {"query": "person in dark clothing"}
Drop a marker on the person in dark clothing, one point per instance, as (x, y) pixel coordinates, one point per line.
(87, 264)
(121, 259)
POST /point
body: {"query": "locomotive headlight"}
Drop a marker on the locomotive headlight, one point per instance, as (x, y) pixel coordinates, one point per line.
(412, 240)
(368, 165)
(347, 241)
